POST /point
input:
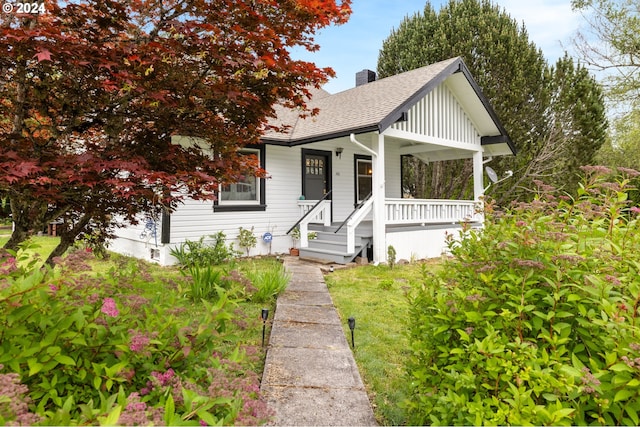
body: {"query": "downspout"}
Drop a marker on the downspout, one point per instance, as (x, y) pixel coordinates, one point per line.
(353, 139)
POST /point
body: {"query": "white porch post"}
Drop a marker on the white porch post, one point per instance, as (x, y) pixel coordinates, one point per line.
(478, 176)
(478, 180)
(378, 190)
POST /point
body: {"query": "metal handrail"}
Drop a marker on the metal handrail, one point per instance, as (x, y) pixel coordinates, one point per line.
(309, 211)
(353, 212)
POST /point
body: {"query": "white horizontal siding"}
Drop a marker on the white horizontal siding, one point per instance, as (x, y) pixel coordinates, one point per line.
(197, 218)
(194, 219)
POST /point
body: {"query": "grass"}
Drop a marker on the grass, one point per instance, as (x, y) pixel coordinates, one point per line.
(46, 244)
(376, 296)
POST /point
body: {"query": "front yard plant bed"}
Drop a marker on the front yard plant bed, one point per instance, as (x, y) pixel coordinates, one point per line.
(121, 341)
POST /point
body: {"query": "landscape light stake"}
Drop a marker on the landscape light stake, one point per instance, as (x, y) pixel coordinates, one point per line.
(352, 326)
(265, 316)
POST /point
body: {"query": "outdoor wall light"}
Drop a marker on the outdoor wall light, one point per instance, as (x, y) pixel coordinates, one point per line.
(339, 151)
(352, 326)
(265, 316)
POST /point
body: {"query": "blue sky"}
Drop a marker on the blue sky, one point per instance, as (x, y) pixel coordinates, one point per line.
(354, 46)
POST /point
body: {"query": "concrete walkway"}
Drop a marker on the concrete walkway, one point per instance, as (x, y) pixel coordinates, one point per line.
(310, 377)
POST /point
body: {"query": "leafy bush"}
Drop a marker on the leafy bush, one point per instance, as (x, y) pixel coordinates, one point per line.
(76, 348)
(269, 282)
(199, 253)
(246, 239)
(535, 319)
(205, 283)
(391, 256)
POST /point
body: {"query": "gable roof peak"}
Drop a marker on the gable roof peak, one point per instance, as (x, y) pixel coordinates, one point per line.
(374, 106)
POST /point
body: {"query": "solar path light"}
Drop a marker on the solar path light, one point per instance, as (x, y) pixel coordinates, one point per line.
(265, 316)
(352, 326)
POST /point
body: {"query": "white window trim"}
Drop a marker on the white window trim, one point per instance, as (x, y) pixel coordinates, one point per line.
(360, 197)
(258, 184)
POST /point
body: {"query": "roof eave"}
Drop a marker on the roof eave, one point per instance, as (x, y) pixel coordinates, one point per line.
(324, 137)
(498, 140)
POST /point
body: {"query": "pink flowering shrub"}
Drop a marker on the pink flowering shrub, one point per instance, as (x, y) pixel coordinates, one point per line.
(118, 348)
(535, 320)
(14, 401)
(109, 307)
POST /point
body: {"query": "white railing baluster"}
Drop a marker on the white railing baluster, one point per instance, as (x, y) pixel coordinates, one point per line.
(321, 215)
(429, 211)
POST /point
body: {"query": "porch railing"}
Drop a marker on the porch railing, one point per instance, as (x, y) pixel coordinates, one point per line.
(430, 211)
(397, 212)
(313, 211)
(361, 211)
(321, 217)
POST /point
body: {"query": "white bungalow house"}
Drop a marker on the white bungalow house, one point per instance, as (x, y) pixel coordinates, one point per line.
(339, 173)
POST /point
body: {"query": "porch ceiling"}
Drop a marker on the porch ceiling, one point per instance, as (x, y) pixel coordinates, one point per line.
(434, 153)
(432, 149)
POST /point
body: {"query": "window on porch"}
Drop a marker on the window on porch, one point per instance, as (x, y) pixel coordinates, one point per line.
(364, 170)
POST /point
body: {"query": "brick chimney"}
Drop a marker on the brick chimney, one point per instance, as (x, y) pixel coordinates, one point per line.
(365, 76)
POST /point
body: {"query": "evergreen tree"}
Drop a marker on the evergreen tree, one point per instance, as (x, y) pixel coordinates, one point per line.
(514, 75)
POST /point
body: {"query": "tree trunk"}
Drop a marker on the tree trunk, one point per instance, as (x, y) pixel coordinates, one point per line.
(23, 226)
(18, 236)
(67, 238)
(66, 241)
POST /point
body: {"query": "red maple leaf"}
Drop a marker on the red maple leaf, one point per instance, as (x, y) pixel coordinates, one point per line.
(43, 55)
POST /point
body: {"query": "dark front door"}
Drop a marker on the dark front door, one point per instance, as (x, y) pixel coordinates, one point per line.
(316, 171)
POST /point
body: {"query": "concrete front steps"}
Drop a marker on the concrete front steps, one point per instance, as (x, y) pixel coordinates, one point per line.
(331, 246)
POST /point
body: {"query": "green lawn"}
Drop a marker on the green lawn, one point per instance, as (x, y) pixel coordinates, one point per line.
(376, 297)
(46, 244)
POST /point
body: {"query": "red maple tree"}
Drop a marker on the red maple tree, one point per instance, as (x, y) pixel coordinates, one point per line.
(92, 92)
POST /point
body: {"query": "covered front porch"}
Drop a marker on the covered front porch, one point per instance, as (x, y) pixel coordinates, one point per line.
(416, 228)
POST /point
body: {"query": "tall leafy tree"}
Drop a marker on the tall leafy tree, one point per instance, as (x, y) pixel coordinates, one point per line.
(610, 42)
(92, 92)
(515, 77)
(576, 126)
(622, 149)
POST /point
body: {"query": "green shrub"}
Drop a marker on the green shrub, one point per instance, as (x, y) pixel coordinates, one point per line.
(535, 319)
(269, 282)
(246, 239)
(386, 284)
(81, 349)
(199, 253)
(391, 256)
(205, 282)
